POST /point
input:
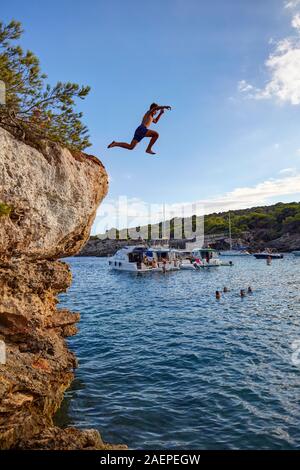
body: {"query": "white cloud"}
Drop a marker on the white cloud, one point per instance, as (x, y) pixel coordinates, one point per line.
(244, 87)
(288, 171)
(257, 195)
(296, 21)
(292, 3)
(283, 66)
(134, 212)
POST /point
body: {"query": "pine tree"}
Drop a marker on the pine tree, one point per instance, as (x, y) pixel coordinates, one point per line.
(33, 109)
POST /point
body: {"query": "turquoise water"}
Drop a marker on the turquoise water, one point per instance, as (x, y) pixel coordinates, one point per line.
(163, 364)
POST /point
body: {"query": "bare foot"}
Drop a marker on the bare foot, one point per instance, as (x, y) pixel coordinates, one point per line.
(151, 152)
(111, 145)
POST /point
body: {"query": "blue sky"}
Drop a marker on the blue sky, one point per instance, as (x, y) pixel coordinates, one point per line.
(235, 119)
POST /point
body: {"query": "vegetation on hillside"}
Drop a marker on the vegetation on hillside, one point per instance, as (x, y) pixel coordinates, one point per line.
(265, 223)
(34, 109)
(271, 221)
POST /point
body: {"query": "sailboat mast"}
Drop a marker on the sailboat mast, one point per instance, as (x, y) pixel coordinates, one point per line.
(230, 238)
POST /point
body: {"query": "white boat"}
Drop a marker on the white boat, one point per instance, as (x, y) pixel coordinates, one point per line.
(206, 257)
(296, 253)
(200, 258)
(189, 264)
(140, 259)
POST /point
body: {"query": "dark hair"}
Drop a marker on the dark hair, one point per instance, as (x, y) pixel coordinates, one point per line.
(153, 105)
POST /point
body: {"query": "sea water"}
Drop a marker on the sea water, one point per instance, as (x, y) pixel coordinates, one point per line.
(163, 364)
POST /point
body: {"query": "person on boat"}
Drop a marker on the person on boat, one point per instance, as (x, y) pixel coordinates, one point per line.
(164, 263)
(143, 130)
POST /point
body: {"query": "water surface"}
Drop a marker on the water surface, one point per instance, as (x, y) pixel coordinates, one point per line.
(163, 364)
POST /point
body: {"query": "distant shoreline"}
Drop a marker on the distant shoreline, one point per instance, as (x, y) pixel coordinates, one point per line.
(104, 248)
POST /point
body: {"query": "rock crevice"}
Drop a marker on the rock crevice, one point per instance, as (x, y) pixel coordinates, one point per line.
(52, 198)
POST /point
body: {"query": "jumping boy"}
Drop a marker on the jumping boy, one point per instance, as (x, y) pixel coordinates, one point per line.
(143, 131)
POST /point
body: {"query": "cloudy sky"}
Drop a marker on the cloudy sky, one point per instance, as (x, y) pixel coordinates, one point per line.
(231, 71)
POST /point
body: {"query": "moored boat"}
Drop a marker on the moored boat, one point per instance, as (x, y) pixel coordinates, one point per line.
(140, 259)
(201, 258)
(267, 255)
(206, 257)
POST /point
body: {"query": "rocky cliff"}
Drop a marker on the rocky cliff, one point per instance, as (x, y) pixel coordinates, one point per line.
(50, 201)
(106, 247)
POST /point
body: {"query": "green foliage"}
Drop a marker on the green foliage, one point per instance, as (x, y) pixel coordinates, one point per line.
(273, 220)
(292, 223)
(5, 209)
(215, 224)
(33, 107)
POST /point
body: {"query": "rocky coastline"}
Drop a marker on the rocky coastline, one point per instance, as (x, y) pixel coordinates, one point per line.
(107, 247)
(50, 201)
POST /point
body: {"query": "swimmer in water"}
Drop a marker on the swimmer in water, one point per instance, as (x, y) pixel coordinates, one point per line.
(218, 295)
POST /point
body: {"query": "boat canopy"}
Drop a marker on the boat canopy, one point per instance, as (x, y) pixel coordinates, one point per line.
(134, 249)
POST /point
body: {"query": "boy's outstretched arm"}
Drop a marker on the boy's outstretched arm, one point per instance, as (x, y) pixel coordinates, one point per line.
(159, 108)
(155, 120)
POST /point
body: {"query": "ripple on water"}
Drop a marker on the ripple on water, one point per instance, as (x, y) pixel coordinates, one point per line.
(165, 365)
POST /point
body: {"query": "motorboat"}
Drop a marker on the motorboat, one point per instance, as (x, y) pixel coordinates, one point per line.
(268, 255)
(206, 257)
(140, 259)
(201, 258)
(189, 264)
(167, 259)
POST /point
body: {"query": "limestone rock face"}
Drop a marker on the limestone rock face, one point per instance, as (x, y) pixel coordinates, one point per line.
(52, 199)
(106, 247)
(287, 242)
(54, 196)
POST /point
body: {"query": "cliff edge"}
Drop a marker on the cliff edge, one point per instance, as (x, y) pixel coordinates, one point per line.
(50, 200)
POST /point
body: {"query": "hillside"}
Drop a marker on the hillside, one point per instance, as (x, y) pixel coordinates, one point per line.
(276, 226)
(265, 222)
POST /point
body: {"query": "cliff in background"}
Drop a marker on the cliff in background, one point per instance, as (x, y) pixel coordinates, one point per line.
(49, 201)
(106, 247)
